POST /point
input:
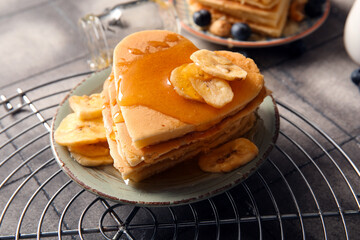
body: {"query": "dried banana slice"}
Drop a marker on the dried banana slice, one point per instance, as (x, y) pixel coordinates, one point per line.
(91, 150)
(218, 66)
(180, 79)
(229, 156)
(86, 107)
(92, 161)
(73, 131)
(215, 92)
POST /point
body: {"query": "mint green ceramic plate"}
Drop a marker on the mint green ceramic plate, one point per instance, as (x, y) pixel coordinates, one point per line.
(181, 185)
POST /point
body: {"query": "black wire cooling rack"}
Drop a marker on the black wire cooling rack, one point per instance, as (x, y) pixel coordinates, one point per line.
(308, 188)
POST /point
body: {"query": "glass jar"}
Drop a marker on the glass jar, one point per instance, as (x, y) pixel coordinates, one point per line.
(103, 31)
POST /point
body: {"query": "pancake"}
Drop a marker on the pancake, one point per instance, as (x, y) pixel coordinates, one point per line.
(160, 120)
(256, 28)
(269, 22)
(149, 127)
(160, 157)
(267, 17)
(265, 4)
(155, 152)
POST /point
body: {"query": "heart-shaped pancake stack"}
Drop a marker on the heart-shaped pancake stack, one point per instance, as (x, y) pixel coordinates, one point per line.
(152, 125)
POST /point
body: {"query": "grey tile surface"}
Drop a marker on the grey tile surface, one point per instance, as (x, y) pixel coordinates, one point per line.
(41, 44)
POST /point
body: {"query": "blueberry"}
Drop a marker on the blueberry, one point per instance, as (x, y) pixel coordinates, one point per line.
(240, 31)
(202, 18)
(314, 9)
(355, 76)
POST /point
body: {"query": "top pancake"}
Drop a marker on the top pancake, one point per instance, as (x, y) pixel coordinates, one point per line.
(265, 26)
(152, 110)
(266, 4)
(268, 17)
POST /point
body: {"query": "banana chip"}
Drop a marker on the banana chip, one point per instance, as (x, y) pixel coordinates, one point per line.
(229, 156)
(91, 150)
(86, 107)
(215, 92)
(180, 79)
(73, 131)
(92, 161)
(217, 66)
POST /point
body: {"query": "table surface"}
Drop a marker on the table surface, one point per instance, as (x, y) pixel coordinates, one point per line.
(40, 42)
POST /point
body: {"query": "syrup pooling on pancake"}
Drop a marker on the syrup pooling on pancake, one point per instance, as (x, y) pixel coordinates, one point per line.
(142, 70)
(117, 116)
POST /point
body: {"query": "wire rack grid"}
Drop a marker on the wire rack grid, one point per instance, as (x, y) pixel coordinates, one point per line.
(308, 188)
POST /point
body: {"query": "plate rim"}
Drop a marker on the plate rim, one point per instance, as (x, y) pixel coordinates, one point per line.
(188, 200)
(256, 44)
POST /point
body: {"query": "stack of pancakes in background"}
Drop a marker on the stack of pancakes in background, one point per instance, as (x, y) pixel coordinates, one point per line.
(267, 17)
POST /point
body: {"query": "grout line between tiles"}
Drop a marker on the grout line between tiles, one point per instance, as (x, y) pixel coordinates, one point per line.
(320, 44)
(3, 17)
(302, 98)
(63, 15)
(43, 72)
